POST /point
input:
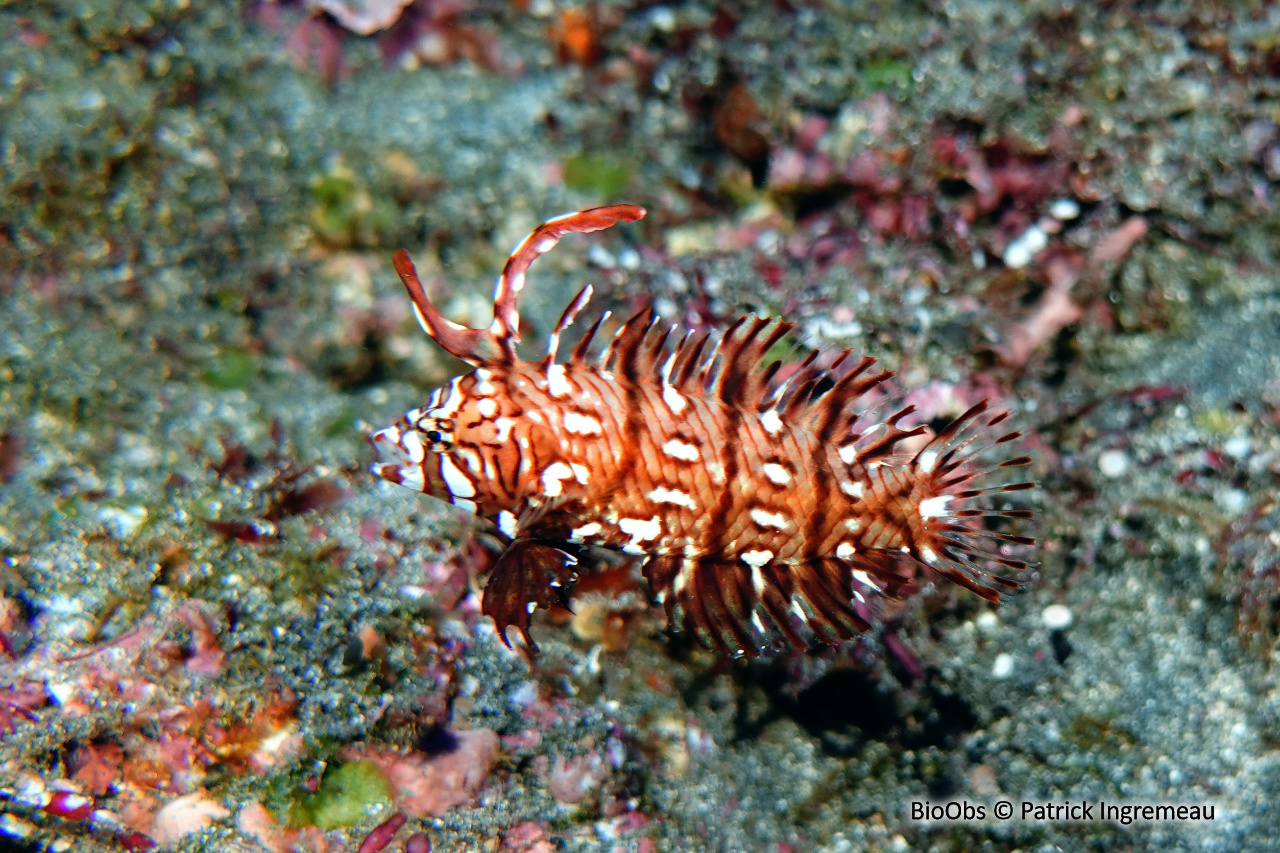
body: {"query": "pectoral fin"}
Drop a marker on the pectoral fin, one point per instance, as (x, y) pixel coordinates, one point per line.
(529, 574)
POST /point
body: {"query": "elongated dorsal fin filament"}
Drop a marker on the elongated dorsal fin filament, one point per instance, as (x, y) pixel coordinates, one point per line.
(476, 346)
(497, 343)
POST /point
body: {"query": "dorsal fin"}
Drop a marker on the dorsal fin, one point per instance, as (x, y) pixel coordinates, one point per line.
(580, 352)
(740, 377)
(886, 441)
(566, 319)
(497, 344)
(687, 363)
(820, 394)
(623, 355)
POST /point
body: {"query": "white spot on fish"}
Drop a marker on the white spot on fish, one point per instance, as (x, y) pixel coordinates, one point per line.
(557, 382)
(507, 523)
(852, 524)
(577, 534)
(853, 490)
(580, 424)
(755, 620)
(935, 507)
(844, 550)
(671, 496)
(580, 472)
(640, 531)
(771, 422)
(756, 559)
(680, 450)
(675, 402)
(848, 454)
(464, 503)
(764, 518)
(458, 483)
(487, 407)
(928, 555)
(503, 427)
(927, 460)
(716, 472)
(551, 478)
(777, 474)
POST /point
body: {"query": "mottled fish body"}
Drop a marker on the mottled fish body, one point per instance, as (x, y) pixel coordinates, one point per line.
(767, 511)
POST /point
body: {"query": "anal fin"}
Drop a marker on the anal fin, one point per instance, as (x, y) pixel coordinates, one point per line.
(741, 609)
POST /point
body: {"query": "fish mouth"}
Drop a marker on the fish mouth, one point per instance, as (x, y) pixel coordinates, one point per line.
(394, 462)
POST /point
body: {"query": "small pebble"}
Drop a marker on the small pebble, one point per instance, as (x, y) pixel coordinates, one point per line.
(1238, 447)
(123, 522)
(1023, 250)
(663, 19)
(1064, 209)
(983, 780)
(601, 257)
(1233, 501)
(1003, 666)
(1055, 617)
(1113, 463)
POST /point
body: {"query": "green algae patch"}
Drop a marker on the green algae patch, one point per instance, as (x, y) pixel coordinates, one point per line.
(886, 75)
(1216, 421)
(597, 174)
(348, 795)
(350, 211)
(231, 370)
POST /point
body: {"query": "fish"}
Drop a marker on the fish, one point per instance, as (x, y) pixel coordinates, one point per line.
(772, 506)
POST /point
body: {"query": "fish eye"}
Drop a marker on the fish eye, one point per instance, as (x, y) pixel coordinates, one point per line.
(438, 432)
